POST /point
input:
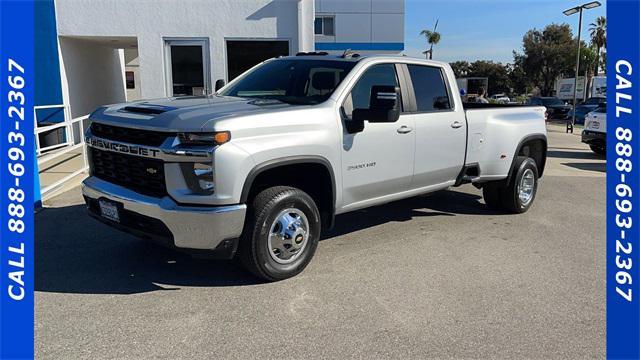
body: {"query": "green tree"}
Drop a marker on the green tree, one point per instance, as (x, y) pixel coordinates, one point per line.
(587, 60)
(520, 81)
(460, 68)
(497, 74)
(547, 55)
(433, 38)
(598, 31)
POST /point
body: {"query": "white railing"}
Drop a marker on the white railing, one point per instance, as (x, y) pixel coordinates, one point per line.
(69, 144)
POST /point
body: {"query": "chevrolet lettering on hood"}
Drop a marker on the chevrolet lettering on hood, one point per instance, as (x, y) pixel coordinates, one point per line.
(123, 148)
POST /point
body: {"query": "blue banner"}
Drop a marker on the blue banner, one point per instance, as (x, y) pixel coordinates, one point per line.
(16, 179)
(623, 182)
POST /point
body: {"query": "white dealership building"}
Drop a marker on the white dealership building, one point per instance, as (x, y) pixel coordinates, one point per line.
(112, 51)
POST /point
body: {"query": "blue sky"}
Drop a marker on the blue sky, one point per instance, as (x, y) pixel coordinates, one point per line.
(485, 29)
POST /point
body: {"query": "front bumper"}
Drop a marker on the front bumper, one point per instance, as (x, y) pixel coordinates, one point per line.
(594, 137)
(197, 228)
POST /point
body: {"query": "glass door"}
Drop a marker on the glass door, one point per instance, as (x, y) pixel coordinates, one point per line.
(187, 67)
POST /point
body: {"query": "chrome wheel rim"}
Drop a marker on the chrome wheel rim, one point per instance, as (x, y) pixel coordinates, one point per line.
(526, 187)
(288, 236)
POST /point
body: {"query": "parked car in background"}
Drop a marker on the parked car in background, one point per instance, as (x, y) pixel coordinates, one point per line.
(586, 107)
(500, 98)
(556, 108)
(595, 130)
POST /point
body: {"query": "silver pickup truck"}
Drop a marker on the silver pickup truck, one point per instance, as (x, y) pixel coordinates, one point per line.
(259, 168)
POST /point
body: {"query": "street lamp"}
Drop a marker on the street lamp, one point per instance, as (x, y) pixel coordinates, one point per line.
(569, 12)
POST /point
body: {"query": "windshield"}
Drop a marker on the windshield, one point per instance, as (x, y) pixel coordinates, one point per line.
(552, 101)
(301, 82)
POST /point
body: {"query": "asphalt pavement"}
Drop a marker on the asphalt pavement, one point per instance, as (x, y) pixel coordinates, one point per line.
(437, 276)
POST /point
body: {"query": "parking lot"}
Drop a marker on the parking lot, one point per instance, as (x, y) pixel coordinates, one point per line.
(438, 276)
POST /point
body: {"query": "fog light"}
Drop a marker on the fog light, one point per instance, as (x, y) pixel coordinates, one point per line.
(204, 175)
(199, 177)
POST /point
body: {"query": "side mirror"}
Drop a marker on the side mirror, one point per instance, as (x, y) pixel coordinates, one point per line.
(352, 125)
(383, 105)
(219, 84)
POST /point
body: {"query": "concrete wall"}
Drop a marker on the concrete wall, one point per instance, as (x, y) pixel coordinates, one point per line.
(150, 21)
(92, 75)
(374, 25)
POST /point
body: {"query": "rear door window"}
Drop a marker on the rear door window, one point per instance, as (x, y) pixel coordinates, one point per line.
(429, 87)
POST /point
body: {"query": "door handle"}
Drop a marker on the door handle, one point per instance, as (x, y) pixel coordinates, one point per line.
(456, 124)
(404, 129)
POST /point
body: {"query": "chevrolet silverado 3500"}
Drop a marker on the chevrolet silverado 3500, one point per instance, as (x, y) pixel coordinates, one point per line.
(261, 166)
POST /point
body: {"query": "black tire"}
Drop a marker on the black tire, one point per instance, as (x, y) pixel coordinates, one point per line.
(509, 195)
(254, 251)
(598, 149)
(499, 196)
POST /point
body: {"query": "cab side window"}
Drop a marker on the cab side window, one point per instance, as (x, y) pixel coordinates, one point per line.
(430, 88)
(381, 74)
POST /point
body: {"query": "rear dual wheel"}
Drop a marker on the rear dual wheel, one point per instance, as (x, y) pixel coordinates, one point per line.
(518, 195)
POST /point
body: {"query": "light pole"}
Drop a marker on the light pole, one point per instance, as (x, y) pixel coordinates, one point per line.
(569, 12)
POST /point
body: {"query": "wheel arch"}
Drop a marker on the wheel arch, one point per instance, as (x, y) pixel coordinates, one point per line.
(266, 169)
(539, 143)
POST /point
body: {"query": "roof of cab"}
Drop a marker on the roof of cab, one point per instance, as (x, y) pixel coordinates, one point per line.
(355, 57)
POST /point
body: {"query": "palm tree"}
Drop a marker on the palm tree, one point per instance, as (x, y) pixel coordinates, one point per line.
(598, 31)
(433, 38)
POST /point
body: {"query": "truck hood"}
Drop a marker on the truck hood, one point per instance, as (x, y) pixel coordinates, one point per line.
(184, 113)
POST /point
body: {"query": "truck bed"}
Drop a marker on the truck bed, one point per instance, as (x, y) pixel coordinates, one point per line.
(495, 131)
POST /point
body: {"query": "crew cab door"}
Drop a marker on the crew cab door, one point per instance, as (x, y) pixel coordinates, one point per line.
(379, 160)
(440, 128)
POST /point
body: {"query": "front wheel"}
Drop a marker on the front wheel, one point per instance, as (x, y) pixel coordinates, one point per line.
(281, 233)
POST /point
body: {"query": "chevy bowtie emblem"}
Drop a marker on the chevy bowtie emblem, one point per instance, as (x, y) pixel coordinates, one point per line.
(152, 170)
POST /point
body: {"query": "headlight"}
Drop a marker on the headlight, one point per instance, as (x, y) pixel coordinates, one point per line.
(199, 177)
(200, 139)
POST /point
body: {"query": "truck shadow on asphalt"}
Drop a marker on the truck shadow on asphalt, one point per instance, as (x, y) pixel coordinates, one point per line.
(77, 254)
(587, 155)
(441, 203)
(595, 166)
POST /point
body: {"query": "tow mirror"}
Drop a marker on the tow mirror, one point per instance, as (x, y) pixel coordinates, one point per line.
(353, 125)
(383, 105)
(219, 84)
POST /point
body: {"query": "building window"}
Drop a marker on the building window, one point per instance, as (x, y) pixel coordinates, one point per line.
(324, 25)
(131, 82)
(244, 54)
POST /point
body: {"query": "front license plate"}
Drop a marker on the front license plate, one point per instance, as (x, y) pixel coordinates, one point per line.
(109, 210)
